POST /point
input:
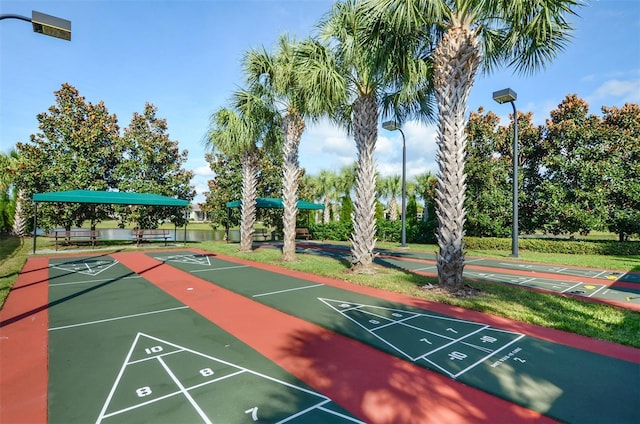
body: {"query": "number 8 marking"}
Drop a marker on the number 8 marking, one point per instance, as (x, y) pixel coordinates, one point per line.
(206, 372)
(143, 391)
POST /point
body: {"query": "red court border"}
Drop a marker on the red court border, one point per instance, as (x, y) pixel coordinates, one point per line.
(24, 353)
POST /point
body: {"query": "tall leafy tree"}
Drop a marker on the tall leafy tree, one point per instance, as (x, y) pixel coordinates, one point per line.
(152, 163)
(487, 165)
(621, 177)
(8, 193)
(76, 148)
(570, 197)
(459, 37)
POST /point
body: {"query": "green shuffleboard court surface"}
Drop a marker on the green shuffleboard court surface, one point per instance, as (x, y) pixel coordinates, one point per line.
(562, 382)
(123, 351)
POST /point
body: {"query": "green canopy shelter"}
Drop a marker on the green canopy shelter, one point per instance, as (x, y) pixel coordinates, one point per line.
(102, 197)
(271, 203)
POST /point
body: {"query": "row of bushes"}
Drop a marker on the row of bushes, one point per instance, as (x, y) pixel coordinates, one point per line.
(572, 247)
(425, 233)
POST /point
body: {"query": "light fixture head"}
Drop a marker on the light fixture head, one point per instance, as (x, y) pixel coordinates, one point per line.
(390, 125)
(51, 26)
(504, 96)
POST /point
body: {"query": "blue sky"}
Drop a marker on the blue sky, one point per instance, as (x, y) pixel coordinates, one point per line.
(184, 57)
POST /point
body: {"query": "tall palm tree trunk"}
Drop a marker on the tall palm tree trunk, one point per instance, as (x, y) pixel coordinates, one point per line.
(249, 195)
(365, 119)
(393, 209)
(456, 58)
(293, 126)
(19, 219)
(326, 213)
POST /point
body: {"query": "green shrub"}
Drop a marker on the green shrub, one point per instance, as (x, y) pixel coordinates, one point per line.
(573, 247)
(335, 230)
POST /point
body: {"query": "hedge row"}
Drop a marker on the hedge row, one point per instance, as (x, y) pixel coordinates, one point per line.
(574, 247)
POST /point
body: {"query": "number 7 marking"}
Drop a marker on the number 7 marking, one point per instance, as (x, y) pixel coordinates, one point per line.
(254, 413)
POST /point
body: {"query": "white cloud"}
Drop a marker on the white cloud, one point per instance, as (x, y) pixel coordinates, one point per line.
(204, 171)
(625, 91)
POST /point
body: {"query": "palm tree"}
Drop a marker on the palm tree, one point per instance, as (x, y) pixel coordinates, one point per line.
(460, 37)
(279, 74)
(240, 132)
(391, 188)
(425, 185)
(327, 186)
(370, 86)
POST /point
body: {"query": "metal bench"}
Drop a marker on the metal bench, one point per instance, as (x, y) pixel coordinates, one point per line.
(140, 235)
(75, 235)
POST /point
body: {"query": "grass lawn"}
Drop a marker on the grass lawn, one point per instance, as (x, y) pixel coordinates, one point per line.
(590, 319)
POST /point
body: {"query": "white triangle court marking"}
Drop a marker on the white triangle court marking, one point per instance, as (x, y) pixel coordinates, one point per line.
(186, 259)
(71, 266)
(322, 399)
(351, 306)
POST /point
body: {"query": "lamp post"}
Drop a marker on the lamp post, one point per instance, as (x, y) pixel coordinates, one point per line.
(504, 96)
(393, 126)
(45, 24)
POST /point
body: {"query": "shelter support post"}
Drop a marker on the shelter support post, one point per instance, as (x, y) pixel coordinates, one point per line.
(35, 224)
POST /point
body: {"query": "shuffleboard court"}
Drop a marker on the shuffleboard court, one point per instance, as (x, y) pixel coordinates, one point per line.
(606, 286)
(122, 350)
(564, 382)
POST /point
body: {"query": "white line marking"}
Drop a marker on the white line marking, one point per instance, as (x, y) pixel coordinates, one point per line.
(598, 275)
(287, 290)
(94, 281)
(468, 261)
(302, 412)
(117, 318)
(528, 280)
(219, 269)
(136, 406)
(425, 268)
(569, 288)
(113, 388)
(454, 341)
(487, 357)
(597, 291)
(185, 392)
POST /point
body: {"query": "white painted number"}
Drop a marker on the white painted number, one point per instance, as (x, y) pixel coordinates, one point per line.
(520, 360)
(143, 391)
(452, 330)
(373, 321)
(345, 305)
(457, 355)
(397, 315)
(153, 349)
(206, 372)
(426, 341)
(254, 413)
(488, 339)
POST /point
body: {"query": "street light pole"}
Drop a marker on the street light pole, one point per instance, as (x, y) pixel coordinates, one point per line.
(45, 24)
(393, 126)
(504, 96)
